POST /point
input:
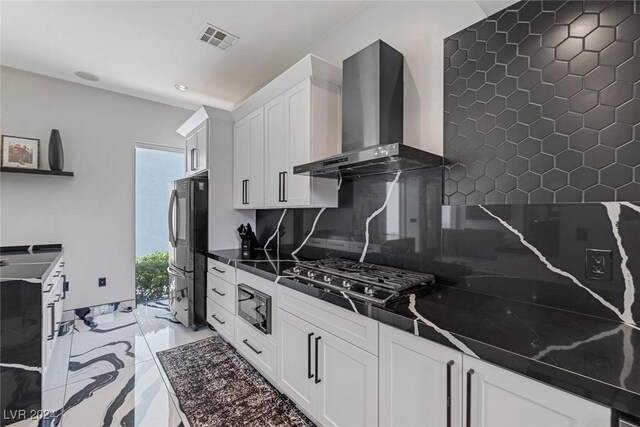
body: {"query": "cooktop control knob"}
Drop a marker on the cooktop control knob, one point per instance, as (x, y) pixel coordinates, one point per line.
(346, 284)
(311, 274)
(296, 270)
(369, 290)
(328, 279)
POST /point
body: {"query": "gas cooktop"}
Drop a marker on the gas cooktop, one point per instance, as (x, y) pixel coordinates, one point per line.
(372, 283)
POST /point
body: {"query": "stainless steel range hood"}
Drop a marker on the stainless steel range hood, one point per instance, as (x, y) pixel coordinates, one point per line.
(372, 115)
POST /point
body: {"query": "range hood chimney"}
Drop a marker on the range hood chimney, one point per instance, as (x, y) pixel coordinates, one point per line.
(372, 116)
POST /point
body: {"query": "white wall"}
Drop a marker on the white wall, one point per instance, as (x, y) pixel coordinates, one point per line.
(91, 214)
(416, 29)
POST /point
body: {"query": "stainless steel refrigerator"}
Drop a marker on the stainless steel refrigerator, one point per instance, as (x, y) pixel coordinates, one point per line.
(188, 206)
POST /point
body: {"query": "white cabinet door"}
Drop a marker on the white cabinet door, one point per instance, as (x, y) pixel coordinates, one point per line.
(202, 145)
(241, 152)
(420, 381)
(248, 155)
(348, 387)
(255, 188)
(296, 374)
(190, 154)
(297, 100)
(500, 398)
(276, 152)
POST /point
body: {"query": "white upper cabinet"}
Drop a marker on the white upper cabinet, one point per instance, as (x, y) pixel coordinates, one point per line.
(199, 160)
(196, 133)
(276, 152)
(248, 161)
(296, 189)
(197, 145)
(301, 124)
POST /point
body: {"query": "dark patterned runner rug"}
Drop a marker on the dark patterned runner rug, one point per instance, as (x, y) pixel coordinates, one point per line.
(215, 386)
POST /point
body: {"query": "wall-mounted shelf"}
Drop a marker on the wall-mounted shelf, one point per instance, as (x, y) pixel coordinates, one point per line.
(35, 171)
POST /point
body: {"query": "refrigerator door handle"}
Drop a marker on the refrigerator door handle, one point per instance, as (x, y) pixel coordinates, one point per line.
(173, 272)
(172, 201)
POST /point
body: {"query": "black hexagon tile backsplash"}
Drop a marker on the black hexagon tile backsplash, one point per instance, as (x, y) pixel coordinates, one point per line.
(542, 105)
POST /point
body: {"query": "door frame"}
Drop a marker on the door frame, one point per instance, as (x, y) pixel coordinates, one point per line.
(147, 146)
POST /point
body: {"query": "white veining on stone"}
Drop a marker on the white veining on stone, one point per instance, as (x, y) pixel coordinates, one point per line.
(23, 367)
(275, 233)
(613, 210)
(313, 227)
(629, 353)
(448, 335)
(554, 269)
(376, 213)
(631, 206)
(351, 302)
(577, 343)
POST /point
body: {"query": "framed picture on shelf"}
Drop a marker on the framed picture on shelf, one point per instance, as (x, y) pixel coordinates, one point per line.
(19, 152)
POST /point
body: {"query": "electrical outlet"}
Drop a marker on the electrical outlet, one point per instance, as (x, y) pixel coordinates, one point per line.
(102, 281)
(598, 264)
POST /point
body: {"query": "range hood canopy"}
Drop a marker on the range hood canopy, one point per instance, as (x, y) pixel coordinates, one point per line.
(372, 117)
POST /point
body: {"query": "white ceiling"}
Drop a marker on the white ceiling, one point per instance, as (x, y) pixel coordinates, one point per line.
(144, 48)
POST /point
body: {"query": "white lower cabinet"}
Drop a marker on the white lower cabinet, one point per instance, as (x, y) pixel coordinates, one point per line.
(53, 295)
(500, 398)
(221, 320)
(324, 359)
(414, 389)
(295, 365)
(221, 292)
(258, 348)
(332, 380)
(420, 381)
(348, 387)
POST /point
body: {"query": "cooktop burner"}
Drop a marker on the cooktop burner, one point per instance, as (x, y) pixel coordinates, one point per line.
(371, 283)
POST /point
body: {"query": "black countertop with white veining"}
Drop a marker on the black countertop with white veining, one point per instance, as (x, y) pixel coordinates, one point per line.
(27, 264)
(585, 355)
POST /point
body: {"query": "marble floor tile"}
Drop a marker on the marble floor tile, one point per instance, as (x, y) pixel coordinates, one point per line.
(131, 396)
(162, 331)
(172, 392)
(120, 318)
(56, 372)
(104, 348)
(52, 401)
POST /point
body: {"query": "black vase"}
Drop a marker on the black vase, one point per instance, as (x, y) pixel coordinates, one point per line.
(56, 154)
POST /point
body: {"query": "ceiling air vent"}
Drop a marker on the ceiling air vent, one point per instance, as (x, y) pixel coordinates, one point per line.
(215, 36)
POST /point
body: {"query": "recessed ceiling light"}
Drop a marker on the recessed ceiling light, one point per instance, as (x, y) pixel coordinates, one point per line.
(182, 87)
(86, 76)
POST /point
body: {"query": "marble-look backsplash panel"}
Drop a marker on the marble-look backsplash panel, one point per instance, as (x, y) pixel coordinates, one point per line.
(530, 253)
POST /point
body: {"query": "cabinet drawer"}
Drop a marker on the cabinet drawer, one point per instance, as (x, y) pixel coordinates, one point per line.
(49, 282)
(222, 293)
(351, 327)
(259, 350)
(221, 270)
(221, 320)
(263, 285)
